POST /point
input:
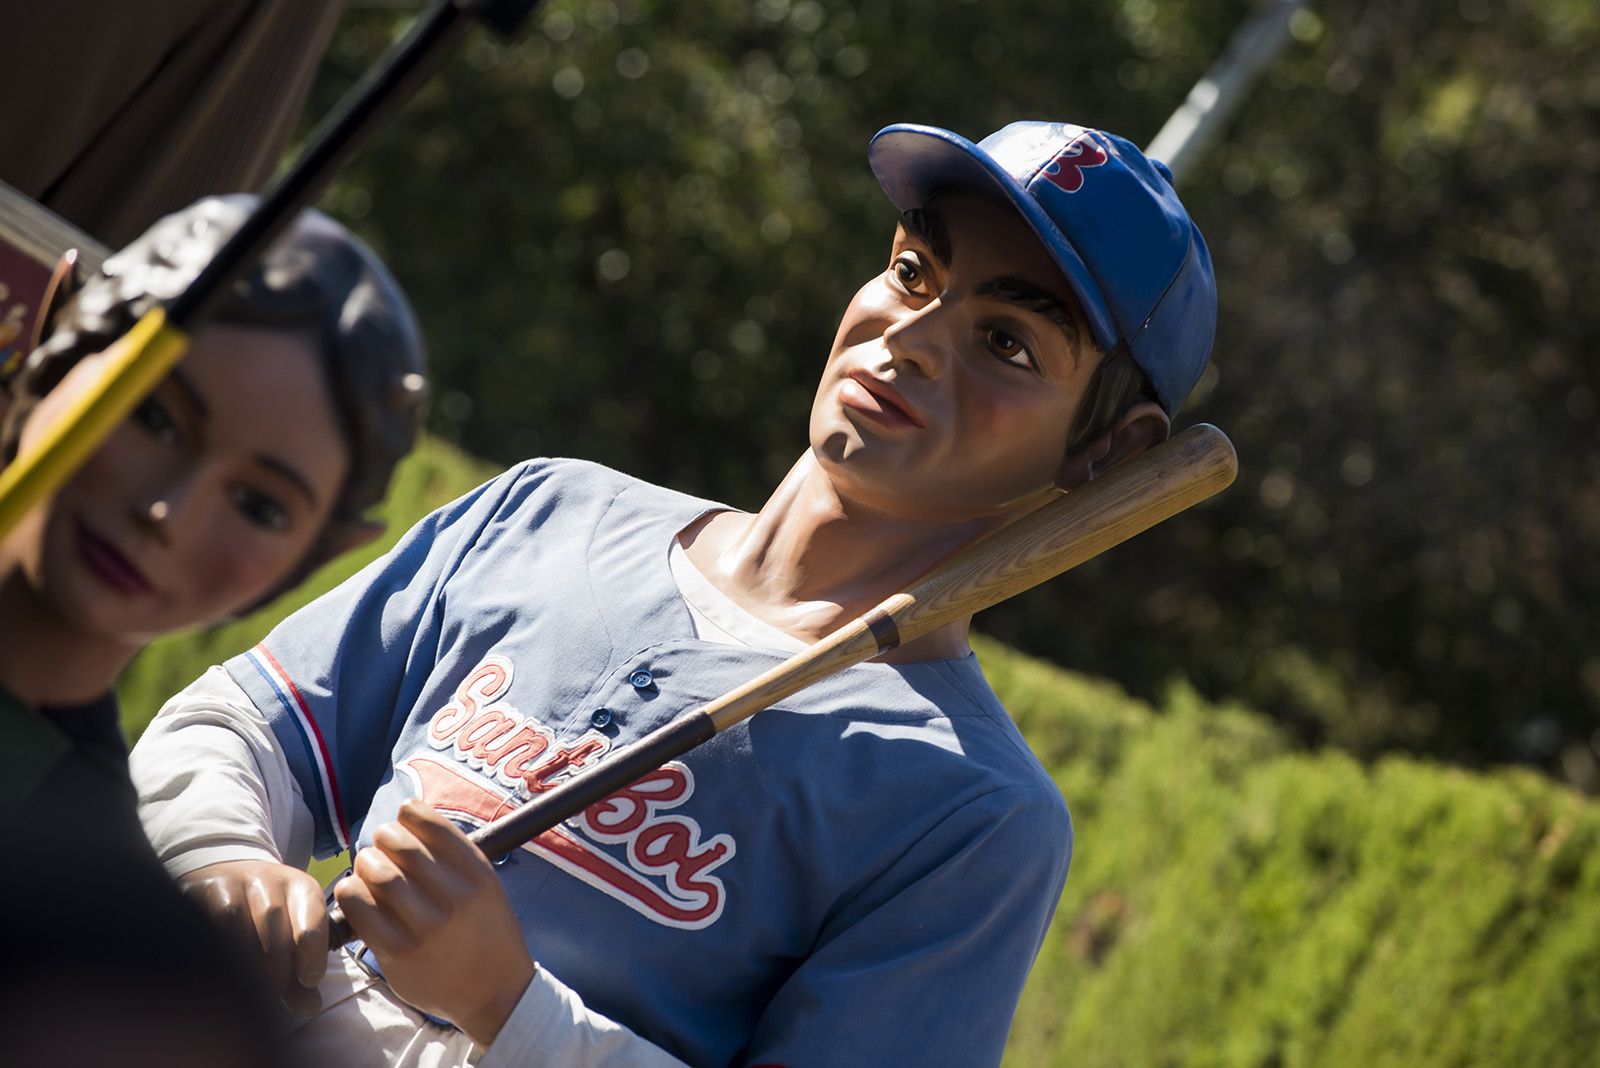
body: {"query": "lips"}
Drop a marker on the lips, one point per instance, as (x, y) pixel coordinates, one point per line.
(864, 393)
(108, 563)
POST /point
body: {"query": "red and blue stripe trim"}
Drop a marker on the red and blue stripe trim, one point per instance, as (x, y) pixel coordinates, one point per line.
(316, 749)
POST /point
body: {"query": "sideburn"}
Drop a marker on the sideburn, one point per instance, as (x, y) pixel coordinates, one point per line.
(1116, 386)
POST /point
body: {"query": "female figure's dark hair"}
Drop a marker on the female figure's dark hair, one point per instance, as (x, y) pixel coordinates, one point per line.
(317, 279)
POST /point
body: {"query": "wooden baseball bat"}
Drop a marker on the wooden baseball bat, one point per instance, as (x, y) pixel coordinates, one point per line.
(1129, 499)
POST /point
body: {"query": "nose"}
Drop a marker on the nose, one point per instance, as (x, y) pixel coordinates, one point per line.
(160, 514)
(917, 341)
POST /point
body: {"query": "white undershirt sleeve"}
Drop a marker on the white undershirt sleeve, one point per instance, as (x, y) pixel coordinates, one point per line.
(214, 785)
(551, 1028)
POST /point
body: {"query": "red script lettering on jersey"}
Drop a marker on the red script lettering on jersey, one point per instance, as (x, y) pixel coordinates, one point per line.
(627, 846)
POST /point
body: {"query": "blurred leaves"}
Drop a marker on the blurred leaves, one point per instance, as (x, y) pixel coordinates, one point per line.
(629, 235)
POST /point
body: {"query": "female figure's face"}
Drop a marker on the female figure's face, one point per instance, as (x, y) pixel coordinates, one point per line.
(202, 502)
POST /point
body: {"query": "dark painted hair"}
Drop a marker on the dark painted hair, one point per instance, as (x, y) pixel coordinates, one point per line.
(317, 279)
(1116, 386)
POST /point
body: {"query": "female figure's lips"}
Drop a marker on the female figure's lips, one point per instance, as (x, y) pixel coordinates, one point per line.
(862, 392)
(115, 569)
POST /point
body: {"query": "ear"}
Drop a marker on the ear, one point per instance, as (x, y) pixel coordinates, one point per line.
(1137, 429)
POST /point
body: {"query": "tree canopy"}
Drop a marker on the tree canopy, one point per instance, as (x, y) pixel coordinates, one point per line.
(629, 235)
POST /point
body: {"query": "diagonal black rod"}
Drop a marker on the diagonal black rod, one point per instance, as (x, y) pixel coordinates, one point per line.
(365, 108)
(596, 783)
(144, 356)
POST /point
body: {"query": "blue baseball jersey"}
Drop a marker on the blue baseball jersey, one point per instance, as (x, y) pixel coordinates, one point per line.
(860, 874)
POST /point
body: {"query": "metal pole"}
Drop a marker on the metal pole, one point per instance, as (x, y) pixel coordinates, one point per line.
(1215, 97)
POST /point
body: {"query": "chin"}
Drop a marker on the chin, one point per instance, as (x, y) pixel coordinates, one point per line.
(96, 613)
(105, 622)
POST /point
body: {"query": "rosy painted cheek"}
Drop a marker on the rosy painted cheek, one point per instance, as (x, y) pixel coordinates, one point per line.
(990, 423)
(234, 576)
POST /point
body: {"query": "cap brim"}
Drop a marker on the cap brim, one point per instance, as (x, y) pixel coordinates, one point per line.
(912, 162)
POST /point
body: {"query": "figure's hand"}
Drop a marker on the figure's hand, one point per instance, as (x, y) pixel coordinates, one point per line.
(427, 902)
(276, 909)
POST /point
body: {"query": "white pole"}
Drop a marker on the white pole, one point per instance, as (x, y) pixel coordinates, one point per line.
(1215, 97)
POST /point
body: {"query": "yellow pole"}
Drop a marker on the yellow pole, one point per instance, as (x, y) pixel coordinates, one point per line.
(136, 363)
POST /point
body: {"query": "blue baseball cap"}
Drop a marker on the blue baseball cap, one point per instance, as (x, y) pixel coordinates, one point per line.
(1106, 213)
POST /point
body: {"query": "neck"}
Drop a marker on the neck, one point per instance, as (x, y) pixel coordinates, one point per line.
(44, 660)
(812, 560)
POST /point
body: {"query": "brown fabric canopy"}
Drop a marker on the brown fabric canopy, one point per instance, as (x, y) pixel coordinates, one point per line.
(117, 112)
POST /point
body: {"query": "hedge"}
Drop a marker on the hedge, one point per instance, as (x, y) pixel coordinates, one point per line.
(1236, 902)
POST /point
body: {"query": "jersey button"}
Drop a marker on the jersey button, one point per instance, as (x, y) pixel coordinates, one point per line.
(641, 679)
(600, 718)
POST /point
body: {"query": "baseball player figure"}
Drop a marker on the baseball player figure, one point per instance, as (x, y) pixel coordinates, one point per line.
(861, 874)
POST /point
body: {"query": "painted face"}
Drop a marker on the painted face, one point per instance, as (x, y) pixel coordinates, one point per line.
(955, 374)
(206, 498)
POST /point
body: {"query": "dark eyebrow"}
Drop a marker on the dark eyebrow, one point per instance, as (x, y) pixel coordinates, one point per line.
(926, 226)
(1039, 301)
(185, 385)
(289, 474)
(192, 397)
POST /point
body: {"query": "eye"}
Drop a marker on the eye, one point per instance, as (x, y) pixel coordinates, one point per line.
(1005, 345)
(906, 273)
(153, 417)
(260, 509)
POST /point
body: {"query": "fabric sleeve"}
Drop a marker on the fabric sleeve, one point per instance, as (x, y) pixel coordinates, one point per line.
(338, 678)
(925, 964)
(213, 783)
(551, 1028)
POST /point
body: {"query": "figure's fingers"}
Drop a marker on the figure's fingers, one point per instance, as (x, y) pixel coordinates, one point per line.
(442, 837)
(403, 903)
(418, 864)
(308, 922)
(271, 922)
(377, 929)
(225, 901)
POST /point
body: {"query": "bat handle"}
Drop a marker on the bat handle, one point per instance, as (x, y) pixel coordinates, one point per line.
(340, 933)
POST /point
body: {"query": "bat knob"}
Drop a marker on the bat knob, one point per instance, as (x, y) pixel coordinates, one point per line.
(340, 932)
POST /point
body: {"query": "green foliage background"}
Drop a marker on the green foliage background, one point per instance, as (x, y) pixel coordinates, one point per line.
(629, 235)
(1234, 900)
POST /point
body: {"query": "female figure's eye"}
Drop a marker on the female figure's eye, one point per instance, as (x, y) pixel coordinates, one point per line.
(906, 273)
(1005, 345)
(260, 509)
(152, 416)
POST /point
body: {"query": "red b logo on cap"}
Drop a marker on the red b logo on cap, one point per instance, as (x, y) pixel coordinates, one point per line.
(1066, 170)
